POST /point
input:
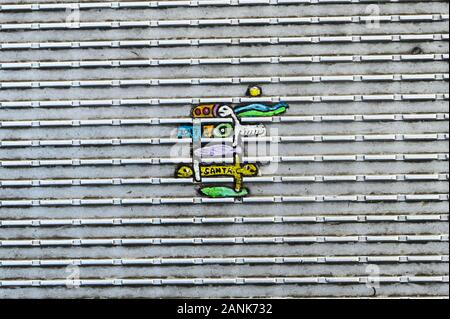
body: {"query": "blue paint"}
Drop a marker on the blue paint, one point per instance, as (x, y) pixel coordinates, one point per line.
(189, 131)
(260, 107)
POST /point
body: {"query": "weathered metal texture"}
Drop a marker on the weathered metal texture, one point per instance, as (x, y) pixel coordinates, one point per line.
(89, 206)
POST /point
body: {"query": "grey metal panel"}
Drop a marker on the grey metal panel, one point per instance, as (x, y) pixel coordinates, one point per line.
(87, 183)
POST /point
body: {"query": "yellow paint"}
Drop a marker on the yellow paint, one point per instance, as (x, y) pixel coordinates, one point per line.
(203, 111)
(255, 91)
(208, 131)
(237, 171)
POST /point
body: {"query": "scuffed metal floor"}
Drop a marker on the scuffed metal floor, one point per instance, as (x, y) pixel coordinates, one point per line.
(92, 94)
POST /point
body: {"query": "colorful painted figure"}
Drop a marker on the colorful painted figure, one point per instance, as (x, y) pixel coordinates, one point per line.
(232, 127)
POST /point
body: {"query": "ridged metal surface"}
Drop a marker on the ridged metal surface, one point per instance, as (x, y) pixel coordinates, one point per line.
(89, 206)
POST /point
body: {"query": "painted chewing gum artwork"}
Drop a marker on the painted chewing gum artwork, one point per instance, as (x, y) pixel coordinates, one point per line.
(235, 131)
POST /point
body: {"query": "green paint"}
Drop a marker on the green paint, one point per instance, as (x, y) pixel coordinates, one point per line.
(223, 130)
(220, 192)
(255, 113)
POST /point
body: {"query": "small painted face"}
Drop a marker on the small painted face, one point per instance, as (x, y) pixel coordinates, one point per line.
(249, 170)
(225, 111)
(185, 172)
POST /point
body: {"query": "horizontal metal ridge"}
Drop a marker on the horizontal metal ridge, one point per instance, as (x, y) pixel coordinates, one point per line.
(423, 177)
(223, 61)
(357, 198)
(161, 161)
(260, 21)
(224, 80)
(370, 38)
(276, 119)
(220, 240)
(162, 221)
(242, 260)
(222, 281)
(279, 159)
(178, 3)
(387, 97)
(268, 139)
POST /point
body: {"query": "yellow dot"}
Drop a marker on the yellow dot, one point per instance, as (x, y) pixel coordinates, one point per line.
(255, 91)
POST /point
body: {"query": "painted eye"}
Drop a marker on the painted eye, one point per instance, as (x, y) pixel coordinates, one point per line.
(206, 111)
(223, 130)
(198, 111)
(250, 168)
